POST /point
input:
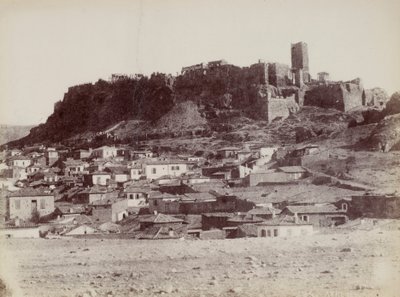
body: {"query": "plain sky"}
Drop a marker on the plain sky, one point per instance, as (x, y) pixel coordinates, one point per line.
(48, 45)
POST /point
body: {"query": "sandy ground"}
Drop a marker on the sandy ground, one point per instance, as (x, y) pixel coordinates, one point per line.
(314, 265)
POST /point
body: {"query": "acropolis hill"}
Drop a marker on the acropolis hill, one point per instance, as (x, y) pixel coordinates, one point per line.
(261, 91)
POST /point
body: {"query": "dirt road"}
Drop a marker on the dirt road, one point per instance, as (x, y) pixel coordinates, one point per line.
(343, 263)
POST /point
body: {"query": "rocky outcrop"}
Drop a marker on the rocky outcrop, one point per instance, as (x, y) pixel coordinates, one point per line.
(386, 135)
(376, 97)
(393, 105)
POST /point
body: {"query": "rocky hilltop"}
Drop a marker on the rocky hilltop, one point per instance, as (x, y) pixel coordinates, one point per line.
(202, 98)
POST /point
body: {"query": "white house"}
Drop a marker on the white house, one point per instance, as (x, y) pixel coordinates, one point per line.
(100, 178)
(105, 152)
(136, 172)
(137, 196)
(156, 169)
(284, 227)
(20, 161)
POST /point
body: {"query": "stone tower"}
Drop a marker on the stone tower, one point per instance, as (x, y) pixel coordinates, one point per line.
(299, 53)
(300, 56)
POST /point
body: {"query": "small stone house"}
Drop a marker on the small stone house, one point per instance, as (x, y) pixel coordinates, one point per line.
(156, 169)
(104, 152)
(27, 201)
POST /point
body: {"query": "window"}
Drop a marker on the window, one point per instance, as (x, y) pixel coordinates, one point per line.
(269, 233)
(155, 202)
(263, 233)
(131, 196)
(344, 206)
(275, 232)
(305, 218)
(153, 170)
(42, 204)
(17, 204)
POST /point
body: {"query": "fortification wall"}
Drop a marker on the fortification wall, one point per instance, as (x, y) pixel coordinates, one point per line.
(341, 96)
(278, 75)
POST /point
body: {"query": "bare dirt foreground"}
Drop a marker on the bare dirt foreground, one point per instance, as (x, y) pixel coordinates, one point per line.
(340, 263)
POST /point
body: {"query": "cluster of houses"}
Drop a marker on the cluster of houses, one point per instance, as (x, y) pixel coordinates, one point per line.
(126, 191)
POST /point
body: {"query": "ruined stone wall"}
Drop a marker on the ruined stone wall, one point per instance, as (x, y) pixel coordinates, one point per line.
(280, 108)
(341, 96)
(258, 74)
(278, 75)
(353, 95)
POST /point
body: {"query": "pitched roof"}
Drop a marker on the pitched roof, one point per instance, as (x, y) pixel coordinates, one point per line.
(292, 169)
(229, 148)
(245, 219)
(101, 173)
(29, 192)
(264, 211)
(218, 214)
(283, 221)
(118, 170)
(137, 189)
(159, 219)
(167, 162)
(197, 196)
(325, 208)
(20, 157)
(104, 202)
(71, 162)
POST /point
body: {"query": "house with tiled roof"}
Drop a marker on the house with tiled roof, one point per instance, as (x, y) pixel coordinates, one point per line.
(318, 215)
(20, 161)
(27, 201)
(159, 220)
(137, 196)
(265, 213)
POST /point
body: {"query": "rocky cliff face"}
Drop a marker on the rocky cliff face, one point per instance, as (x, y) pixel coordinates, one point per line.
(386, 135)
(92, 107)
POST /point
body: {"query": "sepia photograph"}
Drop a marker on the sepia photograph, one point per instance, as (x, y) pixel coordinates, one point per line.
(187, 148)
